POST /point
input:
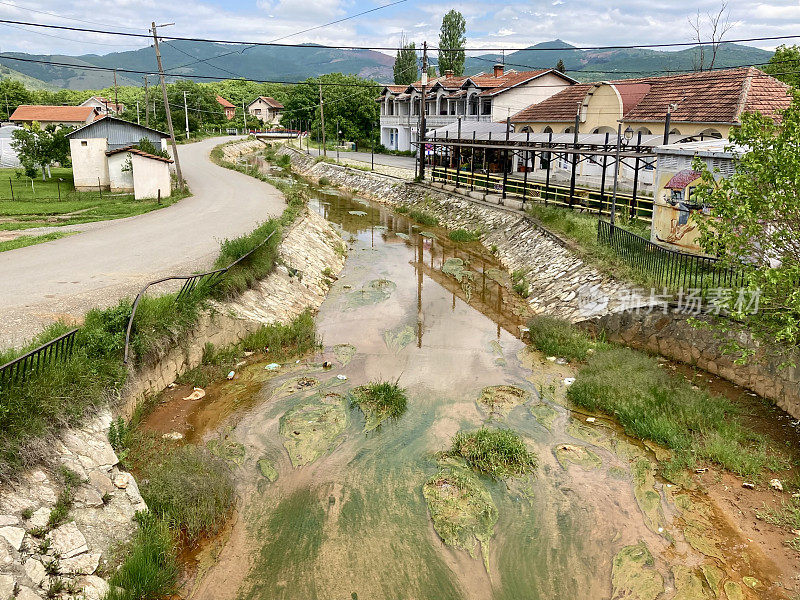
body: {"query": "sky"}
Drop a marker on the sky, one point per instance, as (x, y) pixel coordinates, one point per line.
(489, 24)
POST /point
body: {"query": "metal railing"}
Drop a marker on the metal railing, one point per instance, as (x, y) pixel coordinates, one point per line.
(673, 269)
(584, 198)
(58, 349)
(191, 283)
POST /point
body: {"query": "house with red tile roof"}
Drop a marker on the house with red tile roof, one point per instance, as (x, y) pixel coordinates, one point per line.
(477, 98)
(701, 105)
(266, 109)
(230, 109)
(74, 116)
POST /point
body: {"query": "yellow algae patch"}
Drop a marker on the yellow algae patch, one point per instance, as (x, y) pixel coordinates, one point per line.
(499, 400)
(647, 497)
(312, 429)
(688, 584)
(633, 575)
(567, 454)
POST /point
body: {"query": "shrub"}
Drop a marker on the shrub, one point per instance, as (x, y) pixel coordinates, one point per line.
(324, 182)
(191, 490)
(285, 341)
(150, 570)
(556, 337)
(423, 218)
(498, 453)
(462, 235)
(519, 284)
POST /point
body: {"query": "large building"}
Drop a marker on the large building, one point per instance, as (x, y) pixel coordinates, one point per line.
(700, 105)
(480, 98)
(72, 116)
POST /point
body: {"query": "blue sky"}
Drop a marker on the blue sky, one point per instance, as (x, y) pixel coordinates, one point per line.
(489, 24)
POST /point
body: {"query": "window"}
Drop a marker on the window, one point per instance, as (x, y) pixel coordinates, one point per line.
(84, 143)
(547, 129)
(257, 111)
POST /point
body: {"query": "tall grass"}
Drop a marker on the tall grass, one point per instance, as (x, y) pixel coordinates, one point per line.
(556, 337)
(423, 217)
(498, 453)
(382, 399)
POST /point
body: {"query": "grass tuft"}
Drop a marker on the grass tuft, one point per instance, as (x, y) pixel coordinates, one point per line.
(464, 236)
(498, 453)
(379, 400)
(424, 218)
(556, 337)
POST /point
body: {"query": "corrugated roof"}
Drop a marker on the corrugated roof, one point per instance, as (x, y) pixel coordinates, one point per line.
(134, 150)
(52, 114)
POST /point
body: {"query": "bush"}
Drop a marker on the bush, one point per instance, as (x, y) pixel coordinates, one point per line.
(150, 570)
(498, 453)
(556, 337)
(519, 284)
(462, 235)
(285, 341)
(423, 218)
(191, 490)
(324, 182)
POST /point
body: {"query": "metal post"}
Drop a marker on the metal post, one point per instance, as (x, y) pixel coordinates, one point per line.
(166, 107)
(574, 158)
(424, 78)
(58, 186)
(99, 188)
(186, 113)
(472, 164)
(525, 175)
(603, 178)
(636, 176)
(616, 175)
(458, 162)
(11, 185)
(372, 148)
(322, 121)
(667, 124)
(505, 159)
(549, 165)
(338, 142)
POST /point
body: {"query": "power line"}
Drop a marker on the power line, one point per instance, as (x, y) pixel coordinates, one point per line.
(394, 48)
(52, 14)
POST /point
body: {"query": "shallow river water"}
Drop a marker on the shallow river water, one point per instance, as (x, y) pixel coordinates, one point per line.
(350, 520)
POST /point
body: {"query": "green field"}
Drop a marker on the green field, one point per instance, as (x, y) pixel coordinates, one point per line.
(36, 203)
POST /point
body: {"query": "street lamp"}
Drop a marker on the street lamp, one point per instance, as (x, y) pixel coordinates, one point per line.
(628, 134)
(628, 137)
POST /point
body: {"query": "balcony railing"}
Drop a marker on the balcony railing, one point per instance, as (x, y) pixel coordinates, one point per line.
(431, 120)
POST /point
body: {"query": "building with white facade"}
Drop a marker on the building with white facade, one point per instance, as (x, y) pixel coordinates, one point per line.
(480, 98)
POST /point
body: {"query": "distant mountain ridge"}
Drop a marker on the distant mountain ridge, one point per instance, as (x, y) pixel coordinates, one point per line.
(281, 63)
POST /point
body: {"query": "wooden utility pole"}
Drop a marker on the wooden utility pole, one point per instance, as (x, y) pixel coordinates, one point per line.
(322, 120)
(421, 133)
(244, 116)
(116, 100)
(146, 103)
(166, 106)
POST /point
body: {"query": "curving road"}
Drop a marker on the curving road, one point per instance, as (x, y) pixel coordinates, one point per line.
(105, 262)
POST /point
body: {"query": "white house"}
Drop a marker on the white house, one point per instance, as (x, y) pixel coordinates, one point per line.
(480, 98)
(8, 156)
(265, 109)
(89, 146)
(146, 175)
(103, 105)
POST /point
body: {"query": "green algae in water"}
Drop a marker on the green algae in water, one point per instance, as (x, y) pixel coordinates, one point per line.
(267, 469)
(397, 339)
(713, 576)
(698, 527)
(344, 353)
(633, 575)
(733, 590)
(403, 236)
(373, 292)
(502, 399)
(544, 414)
(379, 401)
(647, 497)
(456, 268)
(358, 213)
(567, 454)
(462, 510)
(312, 429)
(227, 450)
(688, 584)
(428, 234)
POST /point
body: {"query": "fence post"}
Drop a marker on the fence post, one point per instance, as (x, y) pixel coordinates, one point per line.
(159, 196)
(525, 175)
(58, 186)
(603, 178)
(472, 164)
(99, 188)
(549, 165)
(11, 185)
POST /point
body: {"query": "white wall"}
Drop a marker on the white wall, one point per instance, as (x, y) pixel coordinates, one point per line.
(516, 99)
(119, 180)
(89, 163)
(150, 176)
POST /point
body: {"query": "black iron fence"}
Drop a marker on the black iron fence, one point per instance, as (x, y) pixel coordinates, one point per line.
(672, 269)
(17, 370)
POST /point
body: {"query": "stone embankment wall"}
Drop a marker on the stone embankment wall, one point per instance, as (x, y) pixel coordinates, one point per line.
(107, 498)
(562, 285)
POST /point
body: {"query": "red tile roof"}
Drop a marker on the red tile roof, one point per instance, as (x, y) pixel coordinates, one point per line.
(489, 84)
(707, 97)
(53, 114)
(134, 150)
(224, 102)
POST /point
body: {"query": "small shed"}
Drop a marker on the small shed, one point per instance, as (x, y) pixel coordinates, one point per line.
(674, 203)
(132, 170)
(8, 156)
(89, 146)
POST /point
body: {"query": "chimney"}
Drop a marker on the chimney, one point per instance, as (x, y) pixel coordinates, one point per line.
(498, 70)
(448, 73)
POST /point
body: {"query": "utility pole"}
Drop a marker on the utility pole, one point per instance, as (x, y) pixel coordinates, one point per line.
(244, 115)
(421, 133)
(338, 142)
(116, 100)
(166, 105)
(322, 120)
(186, 113)
(146, 103)
(137, 113)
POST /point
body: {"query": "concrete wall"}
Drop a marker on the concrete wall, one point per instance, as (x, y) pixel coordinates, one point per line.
(150, 176)
(120, 179)
(89, 163)
(507, 104)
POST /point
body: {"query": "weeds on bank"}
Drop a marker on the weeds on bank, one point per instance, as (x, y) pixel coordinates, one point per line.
(423, 218)
(556, 337)
(520, 284)
(498, 453)
(463, 235)
(787, 516)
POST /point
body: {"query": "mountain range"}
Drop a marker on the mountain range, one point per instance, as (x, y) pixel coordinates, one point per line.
(280, 63)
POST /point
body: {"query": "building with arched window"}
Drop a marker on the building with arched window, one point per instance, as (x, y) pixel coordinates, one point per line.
(701, 106)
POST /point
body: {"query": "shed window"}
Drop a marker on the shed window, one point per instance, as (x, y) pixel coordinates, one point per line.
(84, 143)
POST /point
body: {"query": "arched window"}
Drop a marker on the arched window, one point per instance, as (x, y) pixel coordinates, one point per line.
(710, 134)
(569, 130)
(526, 129)
(674, 131)
(644, 131)
(547, 129)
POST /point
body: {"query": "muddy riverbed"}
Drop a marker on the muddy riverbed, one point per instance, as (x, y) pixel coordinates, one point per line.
(330, 511)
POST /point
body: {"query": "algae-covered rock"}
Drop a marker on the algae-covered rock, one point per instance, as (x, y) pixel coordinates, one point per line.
(267, 468)
(344, 353)
(373, 292)
(688, 584)
(379, 401)
(499, 400)
(751, 582)
(647, 497)
(633, 575)
(312, 429)
(698, 527)
(567, 454)
(397, 339)
(714, 576)
(461, 508)
(544, 414)
(733, 590)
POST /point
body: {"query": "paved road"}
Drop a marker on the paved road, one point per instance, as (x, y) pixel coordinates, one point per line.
(64, 278)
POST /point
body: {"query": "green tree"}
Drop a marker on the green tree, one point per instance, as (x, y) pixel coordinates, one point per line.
(785, 65)
(349, 100)
(12, 94)
(37, 147)
(405, 63)
(560, 66)
(453, 40)
(754, 221)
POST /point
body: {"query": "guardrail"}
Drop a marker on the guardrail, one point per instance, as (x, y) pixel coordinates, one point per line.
(584, 198)
(673, 269)
(191, 283)
(17, 370)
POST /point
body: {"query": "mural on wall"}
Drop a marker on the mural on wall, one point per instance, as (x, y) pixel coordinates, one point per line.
(672, 219)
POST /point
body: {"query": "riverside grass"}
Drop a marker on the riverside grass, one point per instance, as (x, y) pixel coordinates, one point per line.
(498, 453)
(60, 395)
(379, 401)
(652, 404)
